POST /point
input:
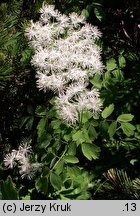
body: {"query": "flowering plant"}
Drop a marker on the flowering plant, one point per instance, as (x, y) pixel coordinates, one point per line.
(66, 161)
(20, 158)
(66, 56)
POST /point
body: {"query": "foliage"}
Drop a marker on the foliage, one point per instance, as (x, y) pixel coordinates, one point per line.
(8, 190)
(98, 158)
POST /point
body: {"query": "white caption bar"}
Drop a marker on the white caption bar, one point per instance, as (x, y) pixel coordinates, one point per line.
(70, 208)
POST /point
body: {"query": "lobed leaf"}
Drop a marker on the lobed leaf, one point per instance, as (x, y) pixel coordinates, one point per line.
(125, 118)
(71, 159)
(107, 111)
(91, 151)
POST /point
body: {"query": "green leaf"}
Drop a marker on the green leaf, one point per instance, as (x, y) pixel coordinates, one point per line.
(44, 140)
(111, 64)
(59, 167)
(96, 81)
(92, 132)
(122, 61)
(53, 162)
(125, 118)
(24, 120)
(41, 126)
(107, 76)
(118, 74)
(27, 197)
(41, 184)
(56, 181)
(47, 158)
(107, 111)
(56, 124)
(132, 56)
(104, 125)
(45, 171)
(112, 129)
(99, 13)
(29, 123)
(26, 56)
(71, 159)
(72, 149)
(91, 151)
(138, 127)
(86, 116)
(73, 171)
(8, 189)
(127, 128)
(41, 111)
(81, 136)
(133, 161)
(94, 123)
(85, 13)
(67, 137)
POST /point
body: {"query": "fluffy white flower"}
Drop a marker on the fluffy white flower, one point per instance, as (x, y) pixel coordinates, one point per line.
(75, 88)
(42, 81)
(91, 100)
(53, 82)
(66, 56)
(24, 148)
(64, 21)
(20, 158)
(9, 159)
(24, 166)
(42, 36)
(90, 32)
(76, 19)
(49, 11)
(28, 170)
(68, 112)
(39, 59)
(62, 99)
(32, 32)
(77, 74)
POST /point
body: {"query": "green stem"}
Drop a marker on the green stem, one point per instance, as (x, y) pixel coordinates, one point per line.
(59, 159)
(99, 187)
(80, 119)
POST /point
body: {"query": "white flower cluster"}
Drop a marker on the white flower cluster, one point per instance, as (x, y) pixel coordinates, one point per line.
(66, 55)
(20, 158)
